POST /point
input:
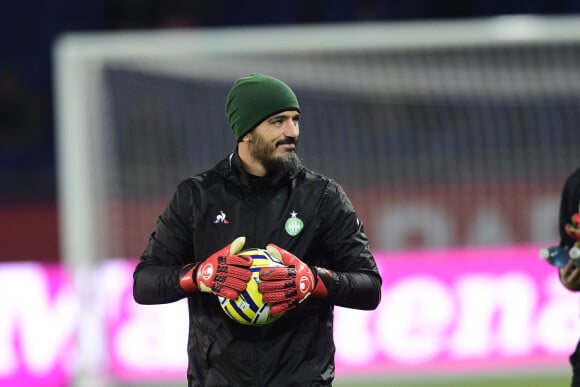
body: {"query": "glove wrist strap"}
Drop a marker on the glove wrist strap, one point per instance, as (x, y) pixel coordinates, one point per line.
(320, 290)
(187, 278)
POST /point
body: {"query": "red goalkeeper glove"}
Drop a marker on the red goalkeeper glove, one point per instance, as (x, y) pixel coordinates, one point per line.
(224, 273)
(573, 228)
(287, 286)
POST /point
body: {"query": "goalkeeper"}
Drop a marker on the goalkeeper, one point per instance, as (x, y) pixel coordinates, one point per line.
(260, 195)
(569, 228)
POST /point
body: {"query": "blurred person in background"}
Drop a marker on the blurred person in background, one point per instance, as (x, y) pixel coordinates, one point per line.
(260, 196)
(569, 229)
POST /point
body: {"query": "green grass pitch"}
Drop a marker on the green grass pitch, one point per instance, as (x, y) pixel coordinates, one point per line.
(534, 379)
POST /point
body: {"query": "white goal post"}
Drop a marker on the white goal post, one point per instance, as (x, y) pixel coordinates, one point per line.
(225, 54)
(433, 109)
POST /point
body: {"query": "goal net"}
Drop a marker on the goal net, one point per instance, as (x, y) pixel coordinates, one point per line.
(442, 133)
(466, 115)
(414, 120)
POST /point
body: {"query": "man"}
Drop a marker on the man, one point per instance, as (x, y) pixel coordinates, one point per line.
(569, 229)
(258, 196)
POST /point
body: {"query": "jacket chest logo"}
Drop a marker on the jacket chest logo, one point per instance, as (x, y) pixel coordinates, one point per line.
(221, 218)
(293, 224)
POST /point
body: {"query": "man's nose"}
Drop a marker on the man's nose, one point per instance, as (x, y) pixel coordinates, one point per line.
(291, 129)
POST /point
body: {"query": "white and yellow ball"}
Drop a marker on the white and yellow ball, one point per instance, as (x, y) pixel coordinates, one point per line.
(249, 308)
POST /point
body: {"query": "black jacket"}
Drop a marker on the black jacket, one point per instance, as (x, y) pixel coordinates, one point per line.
(569, 205)
(209, 211)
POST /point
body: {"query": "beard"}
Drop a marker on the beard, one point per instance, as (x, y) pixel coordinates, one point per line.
(264, 152)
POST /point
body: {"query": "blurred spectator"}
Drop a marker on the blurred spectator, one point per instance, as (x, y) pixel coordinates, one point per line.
(26, 162)
(151, 14)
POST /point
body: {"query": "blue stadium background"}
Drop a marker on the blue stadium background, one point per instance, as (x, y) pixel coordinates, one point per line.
(29, 27)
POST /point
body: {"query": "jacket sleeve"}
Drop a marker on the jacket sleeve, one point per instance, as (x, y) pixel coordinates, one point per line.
(156, 277)
(569, 206)
(355, 281)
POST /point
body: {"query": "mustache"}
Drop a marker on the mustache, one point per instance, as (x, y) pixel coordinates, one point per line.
(288, 141)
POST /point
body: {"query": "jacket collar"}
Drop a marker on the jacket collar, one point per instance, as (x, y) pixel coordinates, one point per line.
(232, 169)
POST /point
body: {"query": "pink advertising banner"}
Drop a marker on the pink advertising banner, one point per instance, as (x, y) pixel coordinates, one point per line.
(453, 310)
(461, 310)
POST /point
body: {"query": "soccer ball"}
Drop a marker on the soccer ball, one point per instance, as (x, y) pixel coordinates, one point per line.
(248, 308)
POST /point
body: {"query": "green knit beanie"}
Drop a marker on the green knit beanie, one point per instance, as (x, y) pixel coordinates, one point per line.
(254, 98)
